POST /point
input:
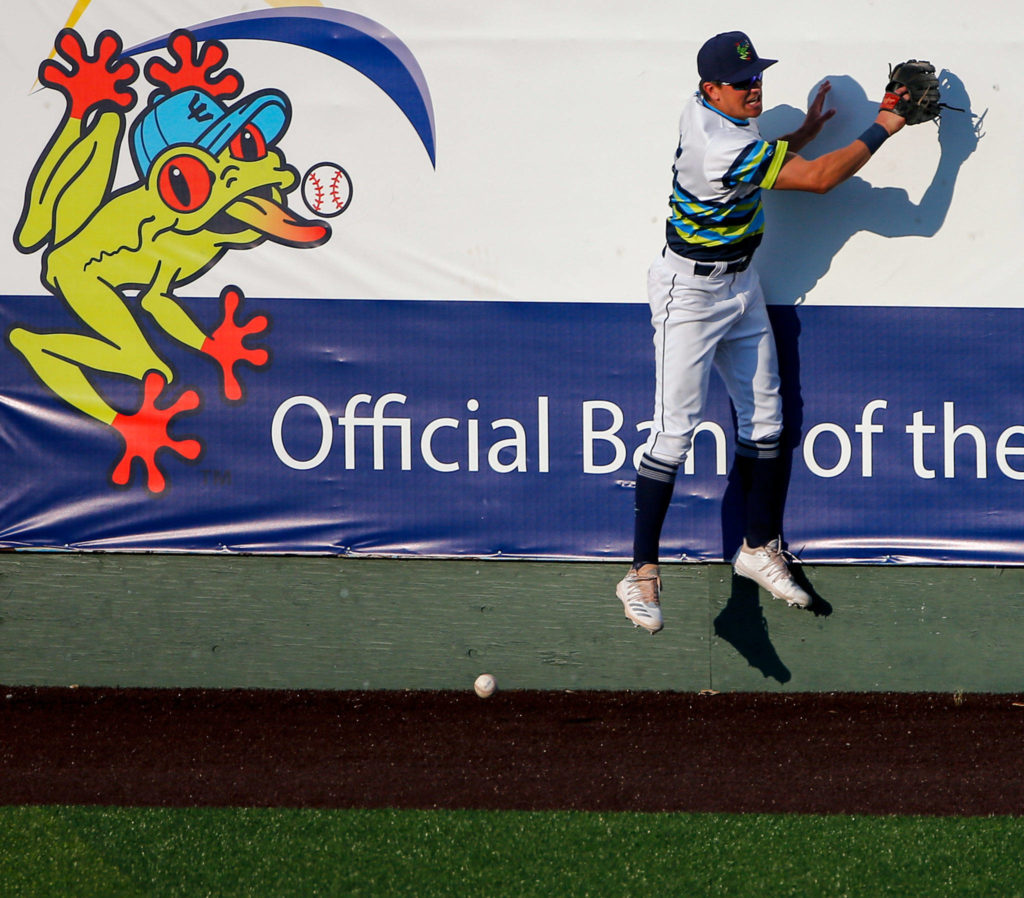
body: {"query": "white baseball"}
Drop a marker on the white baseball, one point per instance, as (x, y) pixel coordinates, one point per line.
(485, 685)
(327, 189)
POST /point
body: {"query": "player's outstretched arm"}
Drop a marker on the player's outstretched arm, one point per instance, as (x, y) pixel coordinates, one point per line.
(822, 174)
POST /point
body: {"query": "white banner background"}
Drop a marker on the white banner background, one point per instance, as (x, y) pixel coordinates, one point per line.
(555, 133)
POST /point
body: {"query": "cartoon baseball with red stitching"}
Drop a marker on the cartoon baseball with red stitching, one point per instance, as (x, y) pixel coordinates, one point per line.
(327, 189)
(210, 178)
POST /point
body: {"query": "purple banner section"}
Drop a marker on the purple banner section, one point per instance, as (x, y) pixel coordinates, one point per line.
(510, 429)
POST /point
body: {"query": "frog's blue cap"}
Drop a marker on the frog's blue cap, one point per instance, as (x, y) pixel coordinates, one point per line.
(193, 118)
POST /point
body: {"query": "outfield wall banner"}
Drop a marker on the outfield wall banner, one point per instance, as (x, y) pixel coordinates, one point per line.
(368, 278)
(510, 429)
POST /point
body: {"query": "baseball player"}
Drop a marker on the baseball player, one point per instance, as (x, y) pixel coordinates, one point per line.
(708, 310)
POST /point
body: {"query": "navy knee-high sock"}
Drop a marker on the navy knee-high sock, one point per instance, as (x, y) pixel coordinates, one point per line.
(761, 478)
(655, 482)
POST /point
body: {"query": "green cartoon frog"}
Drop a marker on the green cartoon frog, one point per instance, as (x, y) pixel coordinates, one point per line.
(210, 179)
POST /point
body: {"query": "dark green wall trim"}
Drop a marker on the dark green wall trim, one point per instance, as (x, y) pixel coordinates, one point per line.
(354, 623)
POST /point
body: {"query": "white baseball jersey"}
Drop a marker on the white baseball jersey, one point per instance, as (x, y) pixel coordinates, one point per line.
(720, 167)
(707, 307)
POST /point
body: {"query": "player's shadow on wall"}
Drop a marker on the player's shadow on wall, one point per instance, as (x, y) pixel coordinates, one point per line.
(805, 232)
(741, 623)
(803, 235)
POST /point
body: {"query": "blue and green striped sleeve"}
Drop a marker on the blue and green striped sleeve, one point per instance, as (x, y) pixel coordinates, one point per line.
(758, 164)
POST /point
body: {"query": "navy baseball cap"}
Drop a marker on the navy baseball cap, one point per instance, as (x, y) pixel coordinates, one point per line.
(730, 57)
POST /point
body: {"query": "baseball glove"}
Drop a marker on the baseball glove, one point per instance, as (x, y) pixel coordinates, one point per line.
(921, 102)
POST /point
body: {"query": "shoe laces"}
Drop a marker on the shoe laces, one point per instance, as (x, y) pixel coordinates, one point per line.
(775, 548)
(778, 561)
(637, 590)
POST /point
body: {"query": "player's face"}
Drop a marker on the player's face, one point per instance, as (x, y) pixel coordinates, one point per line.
(740, 100)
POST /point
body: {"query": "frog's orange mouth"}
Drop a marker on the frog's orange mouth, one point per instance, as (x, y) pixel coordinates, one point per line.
(272, 219)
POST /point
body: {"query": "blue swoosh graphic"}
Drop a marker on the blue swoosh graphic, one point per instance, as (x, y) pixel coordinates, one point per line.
(355, 40)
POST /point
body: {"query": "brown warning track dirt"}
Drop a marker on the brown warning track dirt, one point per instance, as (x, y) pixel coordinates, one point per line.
(611, 751)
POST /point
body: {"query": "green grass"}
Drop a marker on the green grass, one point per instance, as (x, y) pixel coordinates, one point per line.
(111, 852)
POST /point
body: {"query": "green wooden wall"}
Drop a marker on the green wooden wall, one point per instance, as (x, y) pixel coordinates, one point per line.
(354, 623)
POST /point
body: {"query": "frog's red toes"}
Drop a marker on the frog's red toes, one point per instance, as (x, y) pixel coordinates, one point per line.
(226, 343)
(145, 433)
(99, 80)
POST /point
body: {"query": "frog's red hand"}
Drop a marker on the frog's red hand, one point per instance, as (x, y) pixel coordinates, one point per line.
(145, 433)
(225, 344)
(91, 82)
(192, 67)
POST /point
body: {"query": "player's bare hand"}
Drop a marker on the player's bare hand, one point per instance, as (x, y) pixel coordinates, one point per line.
(813, 121)
(817, 114)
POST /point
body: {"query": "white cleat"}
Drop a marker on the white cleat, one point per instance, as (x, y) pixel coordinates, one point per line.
(640, 594)
(767, 567)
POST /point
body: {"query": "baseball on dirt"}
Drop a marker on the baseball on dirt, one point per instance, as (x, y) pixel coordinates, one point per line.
(485, 685)
(327, 189)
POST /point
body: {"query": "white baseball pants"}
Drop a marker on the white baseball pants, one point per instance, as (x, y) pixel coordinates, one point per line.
(702, 322)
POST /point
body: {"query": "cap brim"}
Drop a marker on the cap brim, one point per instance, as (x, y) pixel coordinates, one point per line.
(754, 68)
(268, 110)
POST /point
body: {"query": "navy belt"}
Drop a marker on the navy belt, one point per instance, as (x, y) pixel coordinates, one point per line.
(702, 269)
